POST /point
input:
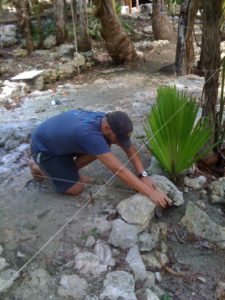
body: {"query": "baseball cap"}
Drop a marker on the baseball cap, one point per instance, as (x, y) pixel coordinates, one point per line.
(122, 127)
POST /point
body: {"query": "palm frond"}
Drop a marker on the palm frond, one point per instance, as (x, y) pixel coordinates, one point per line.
(174, 135)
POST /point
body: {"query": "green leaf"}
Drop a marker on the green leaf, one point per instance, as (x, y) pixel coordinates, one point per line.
(174, 133)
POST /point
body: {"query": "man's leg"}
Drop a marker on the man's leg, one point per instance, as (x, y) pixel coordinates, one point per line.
(83, 160)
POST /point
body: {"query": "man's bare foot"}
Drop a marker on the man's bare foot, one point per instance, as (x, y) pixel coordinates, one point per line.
(86, 179)
(36, 171)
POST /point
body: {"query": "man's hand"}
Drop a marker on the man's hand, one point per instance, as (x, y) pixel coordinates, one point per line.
(160, 198)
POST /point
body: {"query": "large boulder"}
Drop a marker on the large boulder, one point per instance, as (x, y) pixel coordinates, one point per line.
(166, 186)
(197, 222)
(137, 210)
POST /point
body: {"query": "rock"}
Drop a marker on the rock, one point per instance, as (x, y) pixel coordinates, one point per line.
(103, 251)
(151, 261)
(154, 167)
(89, 264)
(66, 50)
(12, 90)
(135, 262)
(20, 254)
(78, 61)
(50, 75)
(220, 291)
(158, 276)
(146, 294)
(18, 52)
(137, 210)
(1, 248)
(150, 280)
(147, 29)
(118, 285)
(195, 183)
(197, 222)
(8, 35)
(217, 189)
(4, 174)
(7, 278)
(50, 42)
(123, 235)
(143, 45)
(102, 224)
(158, 231)
(66, 71)
(38, 285)
(3, 263)
(158, 291)
(73, 286)
(146, 242)
(166, 186)
(90, 242)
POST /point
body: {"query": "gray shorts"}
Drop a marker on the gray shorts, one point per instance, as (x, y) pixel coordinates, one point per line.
(61, 169)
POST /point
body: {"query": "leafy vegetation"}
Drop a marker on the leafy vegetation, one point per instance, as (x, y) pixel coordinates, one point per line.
(175, 134)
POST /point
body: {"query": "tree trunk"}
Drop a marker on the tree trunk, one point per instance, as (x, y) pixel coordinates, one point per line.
(161, 26)
(60, 21)
(212, 22)
(23, 16)
(189, 37)
(85, 44)
(118, 44)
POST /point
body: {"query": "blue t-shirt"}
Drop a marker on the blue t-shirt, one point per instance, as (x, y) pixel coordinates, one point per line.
(73, 132)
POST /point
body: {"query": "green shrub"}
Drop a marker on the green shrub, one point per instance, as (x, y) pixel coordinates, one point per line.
(175, 134)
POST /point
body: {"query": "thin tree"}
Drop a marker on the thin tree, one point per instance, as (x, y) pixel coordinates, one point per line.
(85, 44)
(60, 21)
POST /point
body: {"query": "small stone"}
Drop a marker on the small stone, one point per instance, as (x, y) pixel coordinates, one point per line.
(3, 263)
(7, 278)
(158, 276)
(135, 262)
(150, 280)
(151, 261)
(123, 235)
(90, 242)
(20, 254)
(73, 286)
(220, 291)
(146, 242)
(195, 183)
(118, 285)
(103, 251)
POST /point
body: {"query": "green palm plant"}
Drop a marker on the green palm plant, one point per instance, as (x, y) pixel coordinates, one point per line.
(175, 134)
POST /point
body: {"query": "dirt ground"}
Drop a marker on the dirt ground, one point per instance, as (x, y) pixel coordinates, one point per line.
(31, 213)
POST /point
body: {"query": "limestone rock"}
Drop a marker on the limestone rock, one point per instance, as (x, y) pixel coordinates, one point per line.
(50, 42)
(135, 262)
(66, 50)
(123, 235)
(3, 263)
(50, 75)
(146, 294)
(195, 183)
(103, 251)
(166, 186)
(79, 60)
(18, 52)
(217, 189)
(151, 261)
(146, 242)
(7, 278)
(90, 242)
(73, 286)
(137, 210)
(89, 264)
(198, 223)
(118, 285)
(220, 291)
(66, 71)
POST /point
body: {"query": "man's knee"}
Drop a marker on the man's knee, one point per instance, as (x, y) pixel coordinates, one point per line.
(76, 189)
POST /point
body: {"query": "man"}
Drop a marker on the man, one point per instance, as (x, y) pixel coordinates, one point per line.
(65, 143)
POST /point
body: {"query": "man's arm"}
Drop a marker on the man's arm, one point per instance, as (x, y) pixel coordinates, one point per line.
(135, 159)
(110, 160)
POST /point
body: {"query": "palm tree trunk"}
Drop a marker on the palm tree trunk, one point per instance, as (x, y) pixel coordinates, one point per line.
(118, 44)
(60, 21)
